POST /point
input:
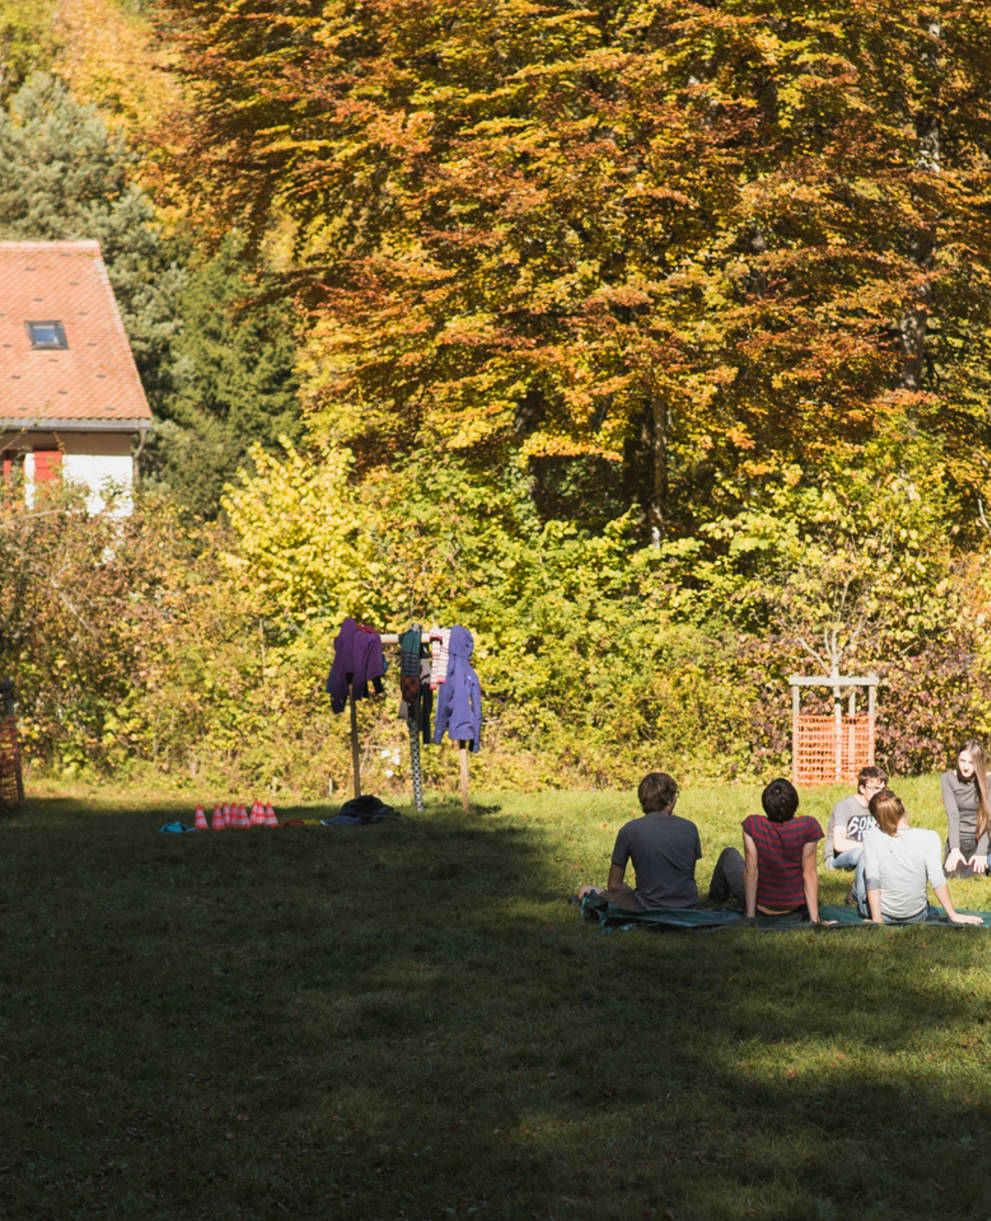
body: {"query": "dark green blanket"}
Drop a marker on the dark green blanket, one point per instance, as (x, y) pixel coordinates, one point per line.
(610, 917)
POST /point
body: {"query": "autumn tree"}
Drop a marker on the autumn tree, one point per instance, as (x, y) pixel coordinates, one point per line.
(725, 267)
(684, 244)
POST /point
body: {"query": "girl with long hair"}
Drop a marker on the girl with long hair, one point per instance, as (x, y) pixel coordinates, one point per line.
(965, 799)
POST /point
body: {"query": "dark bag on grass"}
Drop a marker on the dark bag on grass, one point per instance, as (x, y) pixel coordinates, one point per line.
(368, 809)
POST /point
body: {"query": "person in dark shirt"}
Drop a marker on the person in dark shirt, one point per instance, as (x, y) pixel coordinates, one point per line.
(663, 848)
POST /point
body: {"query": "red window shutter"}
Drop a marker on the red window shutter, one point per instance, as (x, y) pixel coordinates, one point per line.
(46, 465)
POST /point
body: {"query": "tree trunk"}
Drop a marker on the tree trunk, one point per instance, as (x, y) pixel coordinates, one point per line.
(914, 324)
(658, 508)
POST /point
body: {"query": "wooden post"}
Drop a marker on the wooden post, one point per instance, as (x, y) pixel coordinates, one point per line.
(355, 757)
(795, 706)
(838, 721)
(852, 732)
(871, 690)
(464, 777)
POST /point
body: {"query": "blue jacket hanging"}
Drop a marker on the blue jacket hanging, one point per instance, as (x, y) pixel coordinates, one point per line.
(459, 697)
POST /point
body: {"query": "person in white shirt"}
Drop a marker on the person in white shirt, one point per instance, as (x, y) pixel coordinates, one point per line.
(897, 862)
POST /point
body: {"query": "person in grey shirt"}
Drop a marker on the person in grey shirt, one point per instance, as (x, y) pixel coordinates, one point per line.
(965, 799)
(849, 819)
(898, 861)
(663, 848)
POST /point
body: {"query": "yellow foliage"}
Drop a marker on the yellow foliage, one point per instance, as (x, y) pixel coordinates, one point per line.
(305, 541)
(109, 58)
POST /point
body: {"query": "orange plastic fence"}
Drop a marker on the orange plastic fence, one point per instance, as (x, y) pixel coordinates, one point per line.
(814, 759)
(11, 783)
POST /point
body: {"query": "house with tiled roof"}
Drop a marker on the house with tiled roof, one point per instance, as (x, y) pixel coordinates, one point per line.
(71, 402)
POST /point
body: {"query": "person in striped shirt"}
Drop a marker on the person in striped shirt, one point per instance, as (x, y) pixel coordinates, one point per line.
(776, 875)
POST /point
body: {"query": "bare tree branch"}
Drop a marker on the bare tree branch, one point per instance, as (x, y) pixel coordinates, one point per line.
(980, 516)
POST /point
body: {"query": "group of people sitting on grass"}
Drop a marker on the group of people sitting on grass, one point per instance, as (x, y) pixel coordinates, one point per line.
(776, 875)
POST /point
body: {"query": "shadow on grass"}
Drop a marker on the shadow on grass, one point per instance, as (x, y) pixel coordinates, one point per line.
(406, 1020)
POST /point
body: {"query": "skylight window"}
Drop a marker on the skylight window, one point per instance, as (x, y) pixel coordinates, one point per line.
(47, 335)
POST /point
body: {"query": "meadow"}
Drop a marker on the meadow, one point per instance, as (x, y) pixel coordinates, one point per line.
(409, 1020)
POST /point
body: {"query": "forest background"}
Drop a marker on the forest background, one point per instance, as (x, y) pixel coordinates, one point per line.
(649, 341)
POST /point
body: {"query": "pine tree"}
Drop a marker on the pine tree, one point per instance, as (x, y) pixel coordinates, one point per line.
(233, 379)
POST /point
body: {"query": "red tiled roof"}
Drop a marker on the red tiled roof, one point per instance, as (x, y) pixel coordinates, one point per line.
(93, 380)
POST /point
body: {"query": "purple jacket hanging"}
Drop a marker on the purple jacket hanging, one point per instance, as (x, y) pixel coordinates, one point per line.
(459, 697)
(358, 661)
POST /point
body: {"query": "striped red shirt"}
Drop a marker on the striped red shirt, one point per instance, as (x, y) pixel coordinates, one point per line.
(779, 857)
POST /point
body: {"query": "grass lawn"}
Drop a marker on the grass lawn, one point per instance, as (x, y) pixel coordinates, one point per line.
(409, 1021)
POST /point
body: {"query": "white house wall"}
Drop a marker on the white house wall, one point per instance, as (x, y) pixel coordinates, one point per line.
(106, 474)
